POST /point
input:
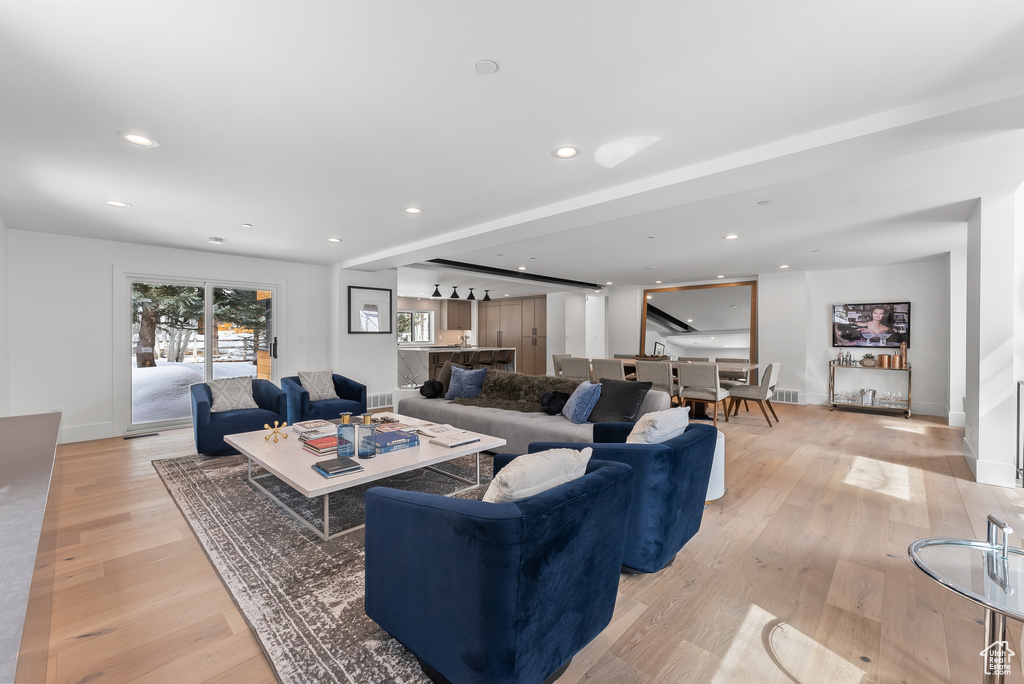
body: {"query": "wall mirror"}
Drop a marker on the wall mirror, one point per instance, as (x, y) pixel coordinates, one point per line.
(717, 320)
(369, 310)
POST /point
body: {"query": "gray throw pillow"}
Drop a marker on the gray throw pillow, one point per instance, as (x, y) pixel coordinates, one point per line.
(319, 384)
(230, 394)
(620, 401)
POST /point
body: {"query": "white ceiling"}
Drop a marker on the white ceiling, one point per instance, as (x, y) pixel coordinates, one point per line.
(869, 127)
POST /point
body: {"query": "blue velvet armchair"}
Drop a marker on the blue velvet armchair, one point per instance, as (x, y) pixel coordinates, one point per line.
(669, 488)
(352, 399)
(209, 428)
(498, 593)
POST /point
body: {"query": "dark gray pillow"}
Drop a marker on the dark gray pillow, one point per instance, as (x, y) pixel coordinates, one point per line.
(620, 401)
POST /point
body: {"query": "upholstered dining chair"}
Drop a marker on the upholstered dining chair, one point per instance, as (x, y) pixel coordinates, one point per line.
(576, 367)
(613, 369)
(761, 393)
(556, 360)
(730, 379)
(700, 382)
(658, 373)
(693, 359)
(498, 593)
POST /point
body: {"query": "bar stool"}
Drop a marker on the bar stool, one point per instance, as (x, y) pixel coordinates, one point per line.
(484, 359)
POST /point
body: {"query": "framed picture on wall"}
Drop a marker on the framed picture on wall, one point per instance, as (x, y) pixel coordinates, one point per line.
(369, 310)
(659, 349)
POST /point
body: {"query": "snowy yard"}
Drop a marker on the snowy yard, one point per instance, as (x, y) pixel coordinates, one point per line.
(161, 392)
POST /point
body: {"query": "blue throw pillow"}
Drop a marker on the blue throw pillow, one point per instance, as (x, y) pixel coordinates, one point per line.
(582, 402)
(466, 384)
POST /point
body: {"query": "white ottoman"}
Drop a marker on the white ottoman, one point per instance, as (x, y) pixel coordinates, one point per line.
(716, 486)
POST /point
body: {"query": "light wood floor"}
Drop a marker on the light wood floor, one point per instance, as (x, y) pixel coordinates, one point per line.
(798, 574)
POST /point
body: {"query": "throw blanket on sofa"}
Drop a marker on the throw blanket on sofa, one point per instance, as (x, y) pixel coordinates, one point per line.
(516, 392)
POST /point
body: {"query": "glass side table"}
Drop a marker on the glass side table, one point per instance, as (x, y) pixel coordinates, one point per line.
(987, 573)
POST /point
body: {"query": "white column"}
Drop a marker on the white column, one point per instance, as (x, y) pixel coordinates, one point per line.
(990, 403)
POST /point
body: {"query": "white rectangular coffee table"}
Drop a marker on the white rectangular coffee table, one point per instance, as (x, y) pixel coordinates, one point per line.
(288, 461)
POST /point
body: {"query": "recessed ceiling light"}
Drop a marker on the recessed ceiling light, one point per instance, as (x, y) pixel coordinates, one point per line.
(730, 237)
(522, 268)
(118, 203)
(138, 139)
(413, 210)
(486, 66)
(608, 283)
(764, 202)
(566, 152)
(649, 268)
(721, 276)
(247, 225)
(784, 266)
(506, 294)
(652, 237)
(689, 320)
(216, 241)
(815, 251)
(533, 258)
(657, 282)
(334, 239)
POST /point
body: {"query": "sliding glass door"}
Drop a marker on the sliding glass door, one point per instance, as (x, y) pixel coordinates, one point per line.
(189, 332)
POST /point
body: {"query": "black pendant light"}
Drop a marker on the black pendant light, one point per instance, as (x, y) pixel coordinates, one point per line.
(471, 297)
(455, 294)
(437, 292)
(487, 296)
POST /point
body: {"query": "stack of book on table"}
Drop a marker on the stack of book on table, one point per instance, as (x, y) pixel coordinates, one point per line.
(336, 466)
(394, 440)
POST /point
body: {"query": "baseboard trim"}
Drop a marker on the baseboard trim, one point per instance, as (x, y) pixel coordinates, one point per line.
(86, 433)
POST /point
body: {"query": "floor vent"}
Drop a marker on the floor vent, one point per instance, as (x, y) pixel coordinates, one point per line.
(787, 396)
(378, 400)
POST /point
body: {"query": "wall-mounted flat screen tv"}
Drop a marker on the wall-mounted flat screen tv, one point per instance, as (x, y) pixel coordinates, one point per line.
(871, 325)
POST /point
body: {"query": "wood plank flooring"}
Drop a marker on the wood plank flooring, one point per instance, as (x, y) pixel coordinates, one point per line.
(799, 573)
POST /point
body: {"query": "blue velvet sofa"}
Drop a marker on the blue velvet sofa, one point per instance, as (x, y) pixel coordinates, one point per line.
(352, 399)
(669, 488)
(498, 593)
(209, 428)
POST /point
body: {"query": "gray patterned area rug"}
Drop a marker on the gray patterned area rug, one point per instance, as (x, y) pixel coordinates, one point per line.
(302, 597)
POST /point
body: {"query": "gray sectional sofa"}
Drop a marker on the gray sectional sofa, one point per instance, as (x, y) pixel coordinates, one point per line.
(520, 421)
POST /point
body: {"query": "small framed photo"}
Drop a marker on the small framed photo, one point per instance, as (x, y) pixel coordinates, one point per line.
(369, 310)
(659, 349)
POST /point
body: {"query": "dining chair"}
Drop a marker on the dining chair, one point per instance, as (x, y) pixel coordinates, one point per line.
(613, 369)
(576, 367)
(693, 359)
(731, 378)
(700, 382)
(556, 360)
(761, 393)
(659, 374)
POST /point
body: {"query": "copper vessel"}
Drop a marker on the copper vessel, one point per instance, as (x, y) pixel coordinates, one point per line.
(884, 360)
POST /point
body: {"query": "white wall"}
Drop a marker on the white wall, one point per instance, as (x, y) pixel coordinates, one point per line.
(556, 328)
(370, 359)
(624, 306)
(794, 320)
(62, 336)
(5, 364)
(597, 332)
(575, 324)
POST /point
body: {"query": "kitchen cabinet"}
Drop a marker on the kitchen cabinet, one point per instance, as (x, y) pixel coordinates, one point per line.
(456, 315)
(519, 323)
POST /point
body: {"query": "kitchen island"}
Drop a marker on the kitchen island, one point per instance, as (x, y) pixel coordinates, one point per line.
(422, 362)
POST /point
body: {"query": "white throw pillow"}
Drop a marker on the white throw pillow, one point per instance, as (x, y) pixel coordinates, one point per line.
(531, 474)
(319, 384)
(661, 426)
(230, 394)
